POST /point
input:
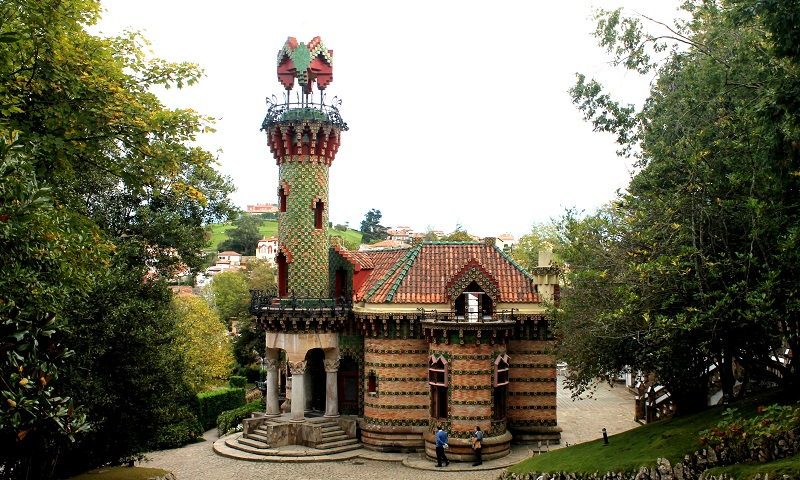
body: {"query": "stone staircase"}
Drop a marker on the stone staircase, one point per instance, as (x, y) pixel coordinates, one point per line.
(334, 439)
(330, 439)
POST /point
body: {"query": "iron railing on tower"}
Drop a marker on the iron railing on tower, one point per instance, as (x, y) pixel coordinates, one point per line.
(303, 109)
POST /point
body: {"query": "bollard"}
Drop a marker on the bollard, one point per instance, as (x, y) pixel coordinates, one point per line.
(605, 437)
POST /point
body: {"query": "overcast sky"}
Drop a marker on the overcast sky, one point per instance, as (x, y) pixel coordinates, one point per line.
(458, 111)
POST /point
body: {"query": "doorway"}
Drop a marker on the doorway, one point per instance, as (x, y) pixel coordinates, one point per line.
(315, 370)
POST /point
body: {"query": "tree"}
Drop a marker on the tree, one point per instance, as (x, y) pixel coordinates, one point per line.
(458, 235)
(229, 294)
(46, 261)
(244, 238)
(131, 192)
(261, 276)
(371, 227)
(711, 216)
(543, 236)
(202, 340)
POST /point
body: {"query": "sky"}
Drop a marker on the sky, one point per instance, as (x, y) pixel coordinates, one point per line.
(459, 112)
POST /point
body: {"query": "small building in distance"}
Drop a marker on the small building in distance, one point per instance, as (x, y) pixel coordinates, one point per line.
(388, 243)
(262, 208)
(233, 258)
(267, 249)
(506, 241)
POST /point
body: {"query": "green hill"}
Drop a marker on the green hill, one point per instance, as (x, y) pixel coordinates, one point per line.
(270, 229)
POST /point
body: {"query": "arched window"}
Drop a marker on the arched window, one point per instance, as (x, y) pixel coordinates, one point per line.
(500, 387)
(437, 379)
(319, 208)
(282, 199)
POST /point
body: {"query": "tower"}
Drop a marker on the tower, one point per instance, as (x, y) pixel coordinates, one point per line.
(303, 136)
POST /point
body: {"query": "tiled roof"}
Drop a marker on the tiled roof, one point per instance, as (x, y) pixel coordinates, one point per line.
(229, 253)
(359, 260)
(382, 262)
(421, 274)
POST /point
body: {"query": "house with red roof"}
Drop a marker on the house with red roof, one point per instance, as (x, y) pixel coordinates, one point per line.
(392, 342)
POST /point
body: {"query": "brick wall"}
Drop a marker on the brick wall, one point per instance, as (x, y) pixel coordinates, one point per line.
(532, 383)
(401, 367)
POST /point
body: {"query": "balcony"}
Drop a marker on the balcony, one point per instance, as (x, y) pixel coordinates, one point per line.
(280, 113)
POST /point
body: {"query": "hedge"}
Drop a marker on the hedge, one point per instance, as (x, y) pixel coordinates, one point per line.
(237, 381)
(227, 421)
(211, 404)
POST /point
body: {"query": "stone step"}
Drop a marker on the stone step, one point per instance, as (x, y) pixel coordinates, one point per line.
(253, 443)
(260, 436)
(334, 438)
(338, 443)
(333, 433)
(332, 428)
(304, 455)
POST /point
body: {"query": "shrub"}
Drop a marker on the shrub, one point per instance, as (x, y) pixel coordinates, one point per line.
(183, 429)
(227, 421)
(211, 404)
(252, 373)
(237, 381)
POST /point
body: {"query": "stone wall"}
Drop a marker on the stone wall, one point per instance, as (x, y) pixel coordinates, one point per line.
(692, 467)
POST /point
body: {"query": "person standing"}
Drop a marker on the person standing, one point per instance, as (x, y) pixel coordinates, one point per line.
(441, 444)
(477, 445)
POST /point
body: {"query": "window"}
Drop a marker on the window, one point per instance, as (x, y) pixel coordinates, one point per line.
(501, 387)
(437, 379)
(319, 208)
(372, 383)
(283, 273)
(282, 199)
(473, 303)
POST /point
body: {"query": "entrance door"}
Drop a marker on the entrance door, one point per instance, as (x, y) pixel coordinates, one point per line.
(348, 386)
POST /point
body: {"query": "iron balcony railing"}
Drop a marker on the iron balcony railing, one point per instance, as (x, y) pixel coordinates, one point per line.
(263, 302)
(303, 109)
(468, 317)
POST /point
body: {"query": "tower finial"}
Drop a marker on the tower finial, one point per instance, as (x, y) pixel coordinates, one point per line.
(308, 63)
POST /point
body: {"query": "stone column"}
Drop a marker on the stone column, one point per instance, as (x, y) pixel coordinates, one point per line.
(273, 409)
(331, 388)
(298, 370)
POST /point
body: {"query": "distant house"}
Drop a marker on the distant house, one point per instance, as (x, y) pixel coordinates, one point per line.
(505, 241)
(233, 258)
(401, 234)
(267, 249)
(262, 208)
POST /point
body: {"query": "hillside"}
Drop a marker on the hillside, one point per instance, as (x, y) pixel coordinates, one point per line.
(270, 229)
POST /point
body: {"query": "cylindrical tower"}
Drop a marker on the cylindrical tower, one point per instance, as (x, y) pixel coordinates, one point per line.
(303, 136)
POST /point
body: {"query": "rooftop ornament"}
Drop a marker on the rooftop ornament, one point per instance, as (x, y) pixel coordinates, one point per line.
(306, 64)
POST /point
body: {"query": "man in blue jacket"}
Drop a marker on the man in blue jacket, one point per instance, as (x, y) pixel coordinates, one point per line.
(441, 443)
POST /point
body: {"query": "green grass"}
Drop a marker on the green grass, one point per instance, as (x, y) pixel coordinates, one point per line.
(270, 229)
(787, 466)
(121, 473)
(641, 446)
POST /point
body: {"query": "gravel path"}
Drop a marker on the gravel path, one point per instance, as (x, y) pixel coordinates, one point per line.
(582, 420)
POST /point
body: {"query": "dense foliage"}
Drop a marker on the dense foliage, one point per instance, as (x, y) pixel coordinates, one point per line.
(697, 263)
(244, 237)
(103, 199)
(202, 341)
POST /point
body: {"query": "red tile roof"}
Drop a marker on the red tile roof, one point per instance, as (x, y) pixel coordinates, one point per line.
(359, 260)
(421, 274)
(386, 244)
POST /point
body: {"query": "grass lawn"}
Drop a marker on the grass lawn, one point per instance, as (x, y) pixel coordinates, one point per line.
(641, 446)
(787, 466)
(121, 473)
(270, 229)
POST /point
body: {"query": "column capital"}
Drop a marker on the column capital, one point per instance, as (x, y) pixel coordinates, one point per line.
(270, 364)
(332, 366)
(297, 368)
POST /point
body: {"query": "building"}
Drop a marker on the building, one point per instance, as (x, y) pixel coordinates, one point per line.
(397, 341)
(388, 243)
(233, 258)
(506, 242)
(267, 249)
(259, 208)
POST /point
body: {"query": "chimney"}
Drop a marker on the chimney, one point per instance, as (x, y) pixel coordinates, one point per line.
(545, 258)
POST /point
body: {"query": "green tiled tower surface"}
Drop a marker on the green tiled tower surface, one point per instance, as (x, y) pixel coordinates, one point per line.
(305, 182)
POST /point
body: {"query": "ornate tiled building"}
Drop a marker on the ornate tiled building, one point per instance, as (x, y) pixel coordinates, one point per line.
(398, 341)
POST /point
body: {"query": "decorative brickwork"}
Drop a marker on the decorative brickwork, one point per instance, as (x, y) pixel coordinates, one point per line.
(309, 248)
